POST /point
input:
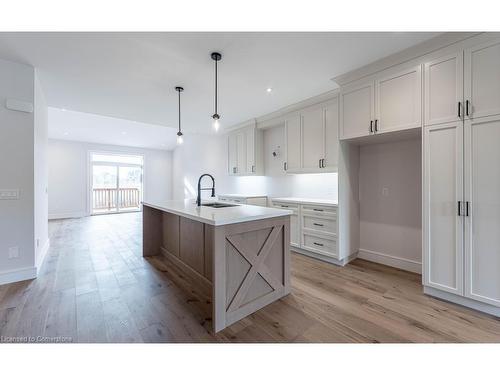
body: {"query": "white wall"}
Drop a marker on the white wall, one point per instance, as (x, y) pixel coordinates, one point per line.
(16, 172)
(68, 175)
(208, 154)
(390, 191)
(41, 174)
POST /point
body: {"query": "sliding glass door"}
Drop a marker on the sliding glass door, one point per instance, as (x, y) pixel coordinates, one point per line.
(116, 183)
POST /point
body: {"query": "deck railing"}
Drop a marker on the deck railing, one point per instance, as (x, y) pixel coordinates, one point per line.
(106, 198)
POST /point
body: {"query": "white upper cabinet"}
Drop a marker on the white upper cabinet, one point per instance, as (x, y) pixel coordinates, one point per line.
(331, 136)
(482, 80)
(312, 139)
(245, 151)
(357, 109)
(232, 154)
(293, 136)
(387, 102)
(443, 189)
(482, 231)
(398, 100)
(443, 90)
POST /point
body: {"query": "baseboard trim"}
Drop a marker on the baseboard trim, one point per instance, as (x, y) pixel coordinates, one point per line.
(390, 260)
(19, 274)
(67, 215)
(459, 300)
(41, 256)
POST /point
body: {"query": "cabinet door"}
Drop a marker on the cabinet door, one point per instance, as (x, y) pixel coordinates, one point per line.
(293, 143)
(241, 149)
(482, 79)
(250, 149)
(313, 142)
(482, 191)
(232, 153)
(294, 230)
(399, 100)
(331, 136)
(443, 189)
(356, 109)
(443, 90)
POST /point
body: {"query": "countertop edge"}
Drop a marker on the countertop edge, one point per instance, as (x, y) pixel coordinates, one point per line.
(304, 201)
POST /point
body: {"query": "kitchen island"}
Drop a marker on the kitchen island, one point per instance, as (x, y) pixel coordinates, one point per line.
(238, 254)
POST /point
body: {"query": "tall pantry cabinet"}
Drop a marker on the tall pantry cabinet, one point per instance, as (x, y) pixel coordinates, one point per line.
(462, 173)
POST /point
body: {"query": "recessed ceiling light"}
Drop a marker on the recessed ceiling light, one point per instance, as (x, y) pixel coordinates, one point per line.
(269, 89)
(124, 133)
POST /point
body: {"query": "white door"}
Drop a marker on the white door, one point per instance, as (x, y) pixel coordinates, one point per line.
(241, 149)
(443, 189)
(293, 143)
(443, 90)
(313, 141)
(357, 109)
(482, 80)
(250, 148)
(331, 136)
(399, 100)
(232, 153)
(482, 191)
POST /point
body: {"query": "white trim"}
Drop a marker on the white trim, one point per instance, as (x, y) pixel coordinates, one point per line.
(459, 300)
(67, 215)
(19, 274)
(41, 255)
(324, 258)
(391, 260)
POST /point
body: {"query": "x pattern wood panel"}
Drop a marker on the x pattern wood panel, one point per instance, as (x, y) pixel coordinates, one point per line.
(257, 263)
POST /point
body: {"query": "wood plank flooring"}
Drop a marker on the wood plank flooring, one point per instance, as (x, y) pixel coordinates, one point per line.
(94, 286)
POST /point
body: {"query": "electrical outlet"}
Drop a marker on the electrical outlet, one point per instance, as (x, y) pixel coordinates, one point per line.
(9, 194)
(385, 191)
(13, 252)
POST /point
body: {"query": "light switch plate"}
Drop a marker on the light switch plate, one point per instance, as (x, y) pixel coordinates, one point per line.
(9, 194)
(13, 252)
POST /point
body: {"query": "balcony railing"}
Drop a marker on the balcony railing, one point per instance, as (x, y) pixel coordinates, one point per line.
(109, 199)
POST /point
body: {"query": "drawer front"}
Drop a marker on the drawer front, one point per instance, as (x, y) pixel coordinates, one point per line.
(232, 200)
(320, 245)
(319, 210)
(320, 224)
(287, 206)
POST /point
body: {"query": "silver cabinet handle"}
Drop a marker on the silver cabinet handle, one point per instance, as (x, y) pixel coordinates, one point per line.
(317, 209)
(318, 225)
(318, 244)
(253, 168)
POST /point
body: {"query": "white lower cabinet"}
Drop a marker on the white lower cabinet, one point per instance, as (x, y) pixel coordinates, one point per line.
(462, 211)
(313, 228)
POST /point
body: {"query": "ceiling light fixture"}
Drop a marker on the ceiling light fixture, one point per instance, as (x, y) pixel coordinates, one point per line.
(179, 133)
(269, 89)
(216, 56)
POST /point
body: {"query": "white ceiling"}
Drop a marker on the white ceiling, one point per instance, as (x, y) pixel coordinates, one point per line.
(86, 127)
(133, 75)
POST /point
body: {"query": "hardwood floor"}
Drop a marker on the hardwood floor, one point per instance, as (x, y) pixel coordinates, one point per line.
(94, 286)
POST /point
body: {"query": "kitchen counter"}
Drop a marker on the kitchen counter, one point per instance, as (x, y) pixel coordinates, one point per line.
(237, 258)
(323, 202)
(242, 196)
(240, 213)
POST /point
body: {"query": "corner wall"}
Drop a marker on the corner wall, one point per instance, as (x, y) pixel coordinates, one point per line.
(17, 172)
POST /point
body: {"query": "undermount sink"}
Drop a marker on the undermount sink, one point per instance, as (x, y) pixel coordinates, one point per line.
(218, 205)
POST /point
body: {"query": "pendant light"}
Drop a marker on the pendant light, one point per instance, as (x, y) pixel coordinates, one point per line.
(179, 133)
(216, 56)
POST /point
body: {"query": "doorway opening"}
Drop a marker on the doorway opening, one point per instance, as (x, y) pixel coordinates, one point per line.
(116, 183)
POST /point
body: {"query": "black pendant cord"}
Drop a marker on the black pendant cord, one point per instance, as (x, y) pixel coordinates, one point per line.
(216, 87)
(179, 111)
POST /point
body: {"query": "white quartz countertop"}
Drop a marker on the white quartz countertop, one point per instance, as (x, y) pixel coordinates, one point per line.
(217, 216)
(324, 202)
(244, 196)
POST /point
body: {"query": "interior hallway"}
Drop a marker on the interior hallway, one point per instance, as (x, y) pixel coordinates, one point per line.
(94, 286)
